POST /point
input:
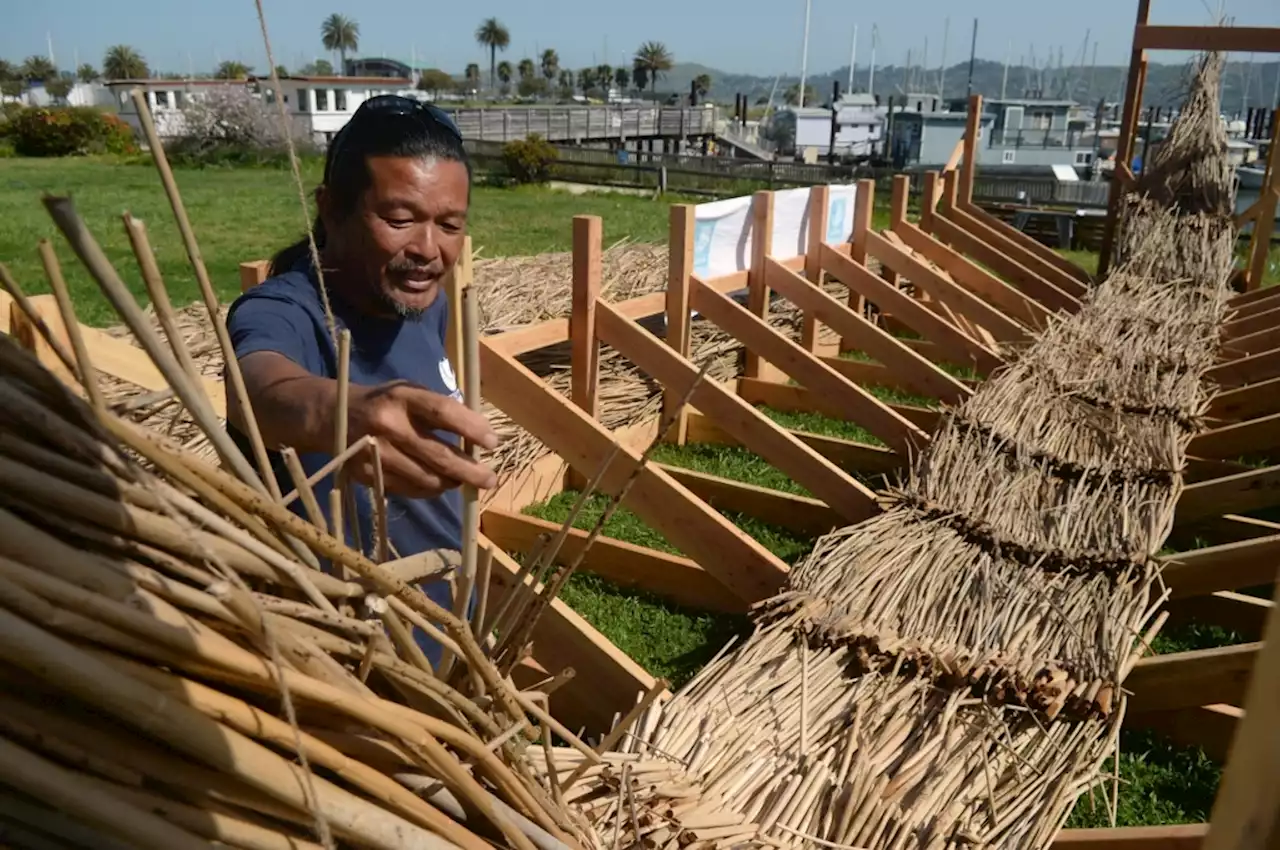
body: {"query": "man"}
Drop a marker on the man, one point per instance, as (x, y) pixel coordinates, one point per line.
(392, 219)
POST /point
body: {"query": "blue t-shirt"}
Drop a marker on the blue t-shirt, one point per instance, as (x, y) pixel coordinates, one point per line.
(284, 314)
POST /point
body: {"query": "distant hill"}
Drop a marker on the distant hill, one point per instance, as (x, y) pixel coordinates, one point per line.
(1165, 83)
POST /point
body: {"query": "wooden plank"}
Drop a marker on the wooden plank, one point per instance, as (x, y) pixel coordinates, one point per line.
(878, 375)
(672, 577)
(1244, 300)
(1252, 319)
(1188, 837)
(1246, 814)
(736, 560)
(253, 273)
(1250, 402)
(587, 273)
(27, 334)
(808, 468)
(1135, 80)
(1239, 493)
(797, 514)
(1191, 679)
(757, 286)
(849, 455)
(1246, 370)
(116, 357)
(679, 267)
(1037, 256)
(790, 398)
(840, 394)
(912, 371)
(1222, 39)
(978, 280)
(863, 214)
(1265, 223)
(819, 201)
(1236, 612)
(969, 159)
(1209, 727)
(1254, 343)
(1239, 438)
(946, 290)
(1230, 566)
(960, 348)
(607, 680)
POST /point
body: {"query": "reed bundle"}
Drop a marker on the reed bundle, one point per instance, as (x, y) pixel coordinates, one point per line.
(950, 672)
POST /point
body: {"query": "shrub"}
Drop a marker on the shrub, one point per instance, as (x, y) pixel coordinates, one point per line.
(68, 131)
(529, 160)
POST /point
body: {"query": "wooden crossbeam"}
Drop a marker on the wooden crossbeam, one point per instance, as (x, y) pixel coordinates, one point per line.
(1239, 438)
(1246, 370)
(978, 280)
(1239, 493)
(673, 577)
(977, 221)
(1246, 299)
(1252, 319)
(1209, 727)
(913, 371)
(1186, 837)
(797, 514)
(959, 347)
(790, 398)
(1254, 343)
(946, 290)
(808, 468)
(868, 374)
(606, 677)
(853, 402)
(1230, 566)
(849, 455)
(1222, 39)
(1249, 402)
(1059, 269)
(1237, 612)
(1191, 679)
(725, 551)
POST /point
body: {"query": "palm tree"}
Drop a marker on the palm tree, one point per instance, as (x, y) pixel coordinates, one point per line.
(655, 59)
(86, 73)
(60, 86)
(340, 33)
(550, 64)
(640, 76)
(604, 76)
(622, 77)
(473, 76)
(37, 69)
(504, 75)
(232, 70)
(526, 69)
(494, 36)
(7, 71)
(587, 80)
(122, 62)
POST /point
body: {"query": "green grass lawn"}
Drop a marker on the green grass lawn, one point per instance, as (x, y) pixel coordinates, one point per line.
(242, 214)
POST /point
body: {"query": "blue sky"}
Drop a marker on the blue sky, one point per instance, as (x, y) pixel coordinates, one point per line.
(745, 36)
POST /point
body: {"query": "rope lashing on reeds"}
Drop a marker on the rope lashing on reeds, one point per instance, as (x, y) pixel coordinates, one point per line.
(949, 673)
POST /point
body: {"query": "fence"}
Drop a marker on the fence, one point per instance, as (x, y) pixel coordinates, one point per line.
(577, 123)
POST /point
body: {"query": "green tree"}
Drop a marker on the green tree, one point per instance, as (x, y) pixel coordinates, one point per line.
(640, 76)
(340, 34)
(37, 69)
(12, 87)
(792, 95)
(122, 62)
(566, 84)
(702, 85)
(59, 87)
(493, 36)
(473, 76)
(587, 80)
(7, 71)
(550, 62)
(318, 68)
(282, 71)
(623, 78)
(86, 73)
(604, 77)
(655, 59)
(505, 73)
(525, 69)
(231, 70)
(434, 81)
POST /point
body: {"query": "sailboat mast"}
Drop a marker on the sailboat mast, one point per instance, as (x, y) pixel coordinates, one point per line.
(853, 55)
(804, 52)
(942, 63)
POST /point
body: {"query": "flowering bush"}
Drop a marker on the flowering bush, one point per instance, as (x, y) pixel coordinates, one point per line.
(229, 124)
(68, 131)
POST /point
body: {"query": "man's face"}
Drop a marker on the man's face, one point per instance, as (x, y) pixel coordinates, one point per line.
(406, 234)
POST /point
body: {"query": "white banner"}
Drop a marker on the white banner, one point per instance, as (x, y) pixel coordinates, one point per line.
(722, 229)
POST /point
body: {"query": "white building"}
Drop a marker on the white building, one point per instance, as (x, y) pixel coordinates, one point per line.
(81, 94)
(165, 99)
(325, 104)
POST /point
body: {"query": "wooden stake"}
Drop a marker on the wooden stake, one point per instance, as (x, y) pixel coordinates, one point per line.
(680, 243)
(584, 368)
(819, 202)
(761, 247)
(969, 165)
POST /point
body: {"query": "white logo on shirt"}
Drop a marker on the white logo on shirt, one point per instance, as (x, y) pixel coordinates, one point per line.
(449, 379)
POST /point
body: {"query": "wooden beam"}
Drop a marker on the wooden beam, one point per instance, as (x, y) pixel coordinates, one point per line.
(1254, 343)
(792, 398)
(1230, 566)
(1015, 303)
(1265, 316)
(1238, 439)
(869, 374)
(1249, 402)
(947, 291)
(757, 288)
(1246, 370)
(1209, 727)
(1239, 493)
(1222, 39)
(254, 273)
(863, 212)
(1052, 299)
(1135, 82)
(852, 456)
(1246, 814)
(25, 332)
(1037, 256)
(1189, 837)
(679, 268)
(840, 395)
(758, 433)
(1191, 679)
(960, 348)
(1246, 299)
(736, 560)
(1265, 223)
(912, 370)
(584, 345)
(607, 680)
(969, 161)
(797, 514)
(672, 577)
(819, 200)
(1236, 612)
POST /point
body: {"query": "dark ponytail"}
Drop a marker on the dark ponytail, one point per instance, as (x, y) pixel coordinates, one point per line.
(288, 258)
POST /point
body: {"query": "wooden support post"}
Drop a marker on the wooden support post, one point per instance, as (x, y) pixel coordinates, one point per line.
(929, 196)
(864, 200)
(761, 247)
(819, 200)
(253, 273)
(1191, 679)
(1265, 221)
(584, 355)
(969, 165)
(1124, 146)
(679, 268)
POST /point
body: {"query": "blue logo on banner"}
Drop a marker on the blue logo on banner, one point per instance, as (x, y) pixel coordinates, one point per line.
(702, 233)
(837, 230)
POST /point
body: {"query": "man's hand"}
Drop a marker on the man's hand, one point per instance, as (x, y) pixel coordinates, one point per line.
(415, 462)
(295, 408)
